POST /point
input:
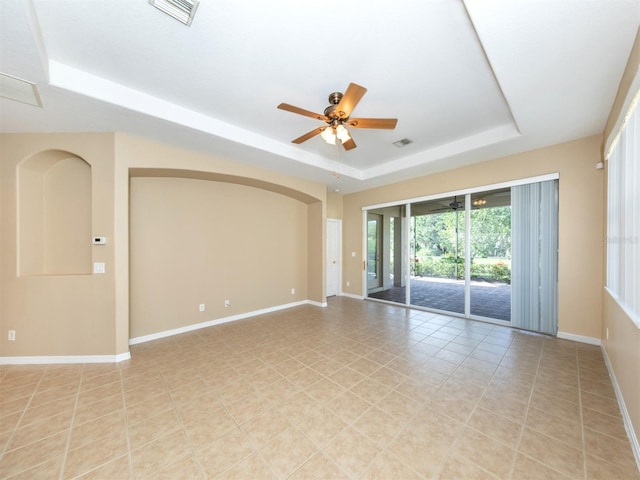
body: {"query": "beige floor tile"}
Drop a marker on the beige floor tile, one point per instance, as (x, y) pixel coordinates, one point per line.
(566, 430)
(91, 455)
(347, 377)
(98, 393)
(349, 406)
(606, 405)
(609, 448)
(526, 468)
(20, 459)
(90, 382)
(600, 469)
(324, 390)
(52, 395)
(103, 428)
(321, 426)
(557, 455)
(247, 407)
(224, 452)
(495, 426)
(198, 405)
(298, 407)
(490, 455)
(378, 426)
(351, 451)
(119, 468)
(37, 431)
(251, 468)
(37, 413)
(606, 424)
(160, 453)
(370, 390)
(48, 470)
(318, 467)
(287, 452)
(206, 429)
(265, 426)
(91, 411)
(387, 466)
(598, 388)
(458, 468)
(184, 469)
(504, 406)
(152, 428)
(148, 408)
(144, 392)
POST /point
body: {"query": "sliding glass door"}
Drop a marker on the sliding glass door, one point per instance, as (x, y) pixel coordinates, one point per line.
(454, 254)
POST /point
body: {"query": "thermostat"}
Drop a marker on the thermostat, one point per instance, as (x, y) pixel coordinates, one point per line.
(99, 240)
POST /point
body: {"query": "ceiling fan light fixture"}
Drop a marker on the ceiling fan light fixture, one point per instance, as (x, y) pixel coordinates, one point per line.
(329, 136)
(342, 133)
(181, 10)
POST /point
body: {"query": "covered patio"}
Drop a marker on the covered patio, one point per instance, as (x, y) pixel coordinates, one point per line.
(491, 300)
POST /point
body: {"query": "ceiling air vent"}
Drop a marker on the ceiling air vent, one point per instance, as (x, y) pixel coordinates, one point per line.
(182, 10)
(19, 90)
(402, 143)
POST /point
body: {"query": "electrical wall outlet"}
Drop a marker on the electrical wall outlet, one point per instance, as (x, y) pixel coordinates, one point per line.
(227, 303)
(348, 284)
(11, 335)
(201, 307)
(293, 291)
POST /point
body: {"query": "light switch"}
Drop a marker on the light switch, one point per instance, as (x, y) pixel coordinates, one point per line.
(98, 267)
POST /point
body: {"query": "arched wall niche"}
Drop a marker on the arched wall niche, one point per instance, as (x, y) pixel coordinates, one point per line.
(54, 214)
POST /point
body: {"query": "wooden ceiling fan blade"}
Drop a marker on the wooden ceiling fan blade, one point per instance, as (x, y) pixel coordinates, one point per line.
(382, 123)
(350, 99)
(308, 135)
(349, 144)
(302, 111)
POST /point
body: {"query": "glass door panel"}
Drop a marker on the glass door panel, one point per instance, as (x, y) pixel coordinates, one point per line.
(386, 271)
(490, 289)
(437, 254)
(374, 245)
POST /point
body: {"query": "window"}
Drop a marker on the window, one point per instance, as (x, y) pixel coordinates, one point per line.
(623, 212)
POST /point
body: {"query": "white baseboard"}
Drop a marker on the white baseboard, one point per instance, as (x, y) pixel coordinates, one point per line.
(218, 321)
(628, 425)
(351, 295)
(65, 359)
(317, 304)
(580, 338)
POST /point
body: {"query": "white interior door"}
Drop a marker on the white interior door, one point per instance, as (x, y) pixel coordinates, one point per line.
(334, 242)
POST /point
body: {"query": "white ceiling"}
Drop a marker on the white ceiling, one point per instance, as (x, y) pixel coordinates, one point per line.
(468, 80)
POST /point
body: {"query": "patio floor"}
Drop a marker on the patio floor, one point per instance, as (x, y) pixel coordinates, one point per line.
(491, 300)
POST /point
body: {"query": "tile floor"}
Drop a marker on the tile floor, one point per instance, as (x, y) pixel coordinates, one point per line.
(354, 390)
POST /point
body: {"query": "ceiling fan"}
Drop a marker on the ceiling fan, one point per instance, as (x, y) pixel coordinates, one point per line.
(337, 117)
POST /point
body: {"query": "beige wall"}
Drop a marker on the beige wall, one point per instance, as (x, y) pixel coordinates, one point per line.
(202, 242)
(67, 315)
(334, 205)
(580, 231)
(58, 314)
(623, 343)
